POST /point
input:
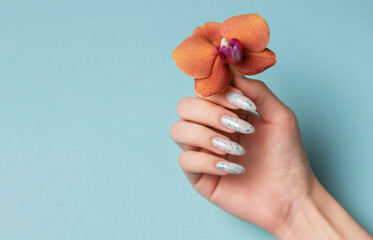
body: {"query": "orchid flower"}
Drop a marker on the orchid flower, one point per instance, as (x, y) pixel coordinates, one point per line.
(214, 49)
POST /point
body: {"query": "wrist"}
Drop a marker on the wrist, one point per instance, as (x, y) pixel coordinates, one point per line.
(306, 220)
(319, 216)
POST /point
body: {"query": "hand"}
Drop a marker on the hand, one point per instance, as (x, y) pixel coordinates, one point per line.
(277, 170)
(278, 182)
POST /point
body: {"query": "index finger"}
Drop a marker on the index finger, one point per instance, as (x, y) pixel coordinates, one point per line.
(231, 98)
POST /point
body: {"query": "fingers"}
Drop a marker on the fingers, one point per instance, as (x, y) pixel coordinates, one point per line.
(207, 113)
(270, 108)
(231, 98)
(192, 134)
(200, 162)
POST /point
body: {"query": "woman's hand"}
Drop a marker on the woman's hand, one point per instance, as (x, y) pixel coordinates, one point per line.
(278, 182)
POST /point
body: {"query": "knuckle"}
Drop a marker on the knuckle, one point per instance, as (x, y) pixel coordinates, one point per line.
(260, 84)
(183, 159)
(182, 105)
(174, 129)
(291, 115)
(288, 117)
(206, 111)
(198, 136)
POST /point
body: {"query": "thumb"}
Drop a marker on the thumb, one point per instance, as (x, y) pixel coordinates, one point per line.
(269, 107)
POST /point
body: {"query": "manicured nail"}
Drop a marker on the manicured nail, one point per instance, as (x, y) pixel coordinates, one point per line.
(228, 146)
(230, 167)
(240, 101)
(236, 124)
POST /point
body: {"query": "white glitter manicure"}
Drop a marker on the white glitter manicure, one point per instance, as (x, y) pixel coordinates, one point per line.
(230, 167)
(237, 124)
(228, 146)
(240, 101)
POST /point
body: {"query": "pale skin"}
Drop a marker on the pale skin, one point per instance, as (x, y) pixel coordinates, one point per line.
(278, 192)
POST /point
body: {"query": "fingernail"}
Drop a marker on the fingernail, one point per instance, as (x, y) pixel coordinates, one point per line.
(228, 146)
(237, 124)
(240, 101)
(230, 167)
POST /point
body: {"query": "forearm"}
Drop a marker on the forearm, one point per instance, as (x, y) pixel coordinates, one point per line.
(320, 216)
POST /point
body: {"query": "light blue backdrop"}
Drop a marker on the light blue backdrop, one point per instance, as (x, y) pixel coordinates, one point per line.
(88, 91)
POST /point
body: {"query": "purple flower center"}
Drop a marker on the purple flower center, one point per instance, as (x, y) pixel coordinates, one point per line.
(230, 51)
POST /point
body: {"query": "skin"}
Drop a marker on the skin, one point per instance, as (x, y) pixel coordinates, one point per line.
(278, 192)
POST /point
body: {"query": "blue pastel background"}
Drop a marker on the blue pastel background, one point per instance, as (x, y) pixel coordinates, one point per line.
(88, 91)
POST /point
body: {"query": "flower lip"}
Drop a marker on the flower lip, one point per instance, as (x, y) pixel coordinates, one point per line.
(230, 51)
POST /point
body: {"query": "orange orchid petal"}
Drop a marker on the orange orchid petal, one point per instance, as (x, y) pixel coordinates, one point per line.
(255, 62)
(250, 29)
(211, 31)
(195, 56)
(217, 82)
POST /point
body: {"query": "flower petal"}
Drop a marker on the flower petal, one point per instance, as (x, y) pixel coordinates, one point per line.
(211, 31)
(250, 29)
(195, 56)
(253, 63)
(217, 82)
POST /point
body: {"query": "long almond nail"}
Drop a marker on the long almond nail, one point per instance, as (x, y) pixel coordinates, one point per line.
(240, 101)
(228, 146)
(230, 167)
(237, 124)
